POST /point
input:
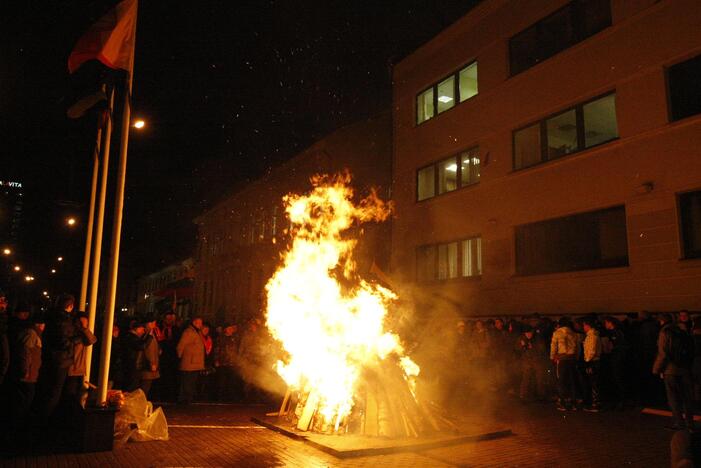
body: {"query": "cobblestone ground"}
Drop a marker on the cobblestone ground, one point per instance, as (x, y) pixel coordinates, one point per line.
(542, 437)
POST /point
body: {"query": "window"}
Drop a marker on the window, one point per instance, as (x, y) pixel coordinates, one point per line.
(450, 260)
(585, 241)
(424, 106)
(472, 257)
(448, 175)
(581, 127)
(444, 95)
(690, 211)
(426, 183)
(684, 90)
(468, 82)
(561, 30)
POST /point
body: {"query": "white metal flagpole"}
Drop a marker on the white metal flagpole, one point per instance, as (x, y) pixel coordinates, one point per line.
(116, 232)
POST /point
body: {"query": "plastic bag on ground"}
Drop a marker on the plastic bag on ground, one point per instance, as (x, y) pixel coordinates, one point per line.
(137, 421)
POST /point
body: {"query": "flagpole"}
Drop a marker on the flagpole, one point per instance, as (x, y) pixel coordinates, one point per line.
(116, 228)
(97, 253)
(91, 216)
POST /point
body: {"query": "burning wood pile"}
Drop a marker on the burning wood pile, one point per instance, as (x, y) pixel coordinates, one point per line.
(345, 372)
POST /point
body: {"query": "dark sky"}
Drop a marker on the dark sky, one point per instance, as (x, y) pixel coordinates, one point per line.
(228, 89)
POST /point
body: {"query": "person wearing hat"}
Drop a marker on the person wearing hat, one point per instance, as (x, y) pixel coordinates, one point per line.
(133, 345)
(191, 353)
(26, 364)
(150, 362)
(76, 373)
(531, 350)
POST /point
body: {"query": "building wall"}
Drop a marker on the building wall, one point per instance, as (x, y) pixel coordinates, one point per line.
(163, 285)
(240, 239)
(629, 57)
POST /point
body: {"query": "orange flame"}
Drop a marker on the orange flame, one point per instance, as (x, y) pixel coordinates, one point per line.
(329, 331)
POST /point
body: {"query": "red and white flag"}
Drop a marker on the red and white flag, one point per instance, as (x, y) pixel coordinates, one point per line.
(109, 40)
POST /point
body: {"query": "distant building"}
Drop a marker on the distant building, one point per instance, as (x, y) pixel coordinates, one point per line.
(547, 158)
(240, 238)
(168, 289)
(11, 204)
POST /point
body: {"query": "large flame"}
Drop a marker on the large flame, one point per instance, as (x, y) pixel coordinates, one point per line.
(330, 331)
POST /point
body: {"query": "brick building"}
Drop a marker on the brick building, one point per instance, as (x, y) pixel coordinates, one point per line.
(547, 158)
(169, 288)
(240, 239)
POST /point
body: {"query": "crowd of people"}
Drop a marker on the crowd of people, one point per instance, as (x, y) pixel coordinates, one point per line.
(588, 363)
(43, 362)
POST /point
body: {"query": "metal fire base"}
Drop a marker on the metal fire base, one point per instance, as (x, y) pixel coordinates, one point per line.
(349, 445)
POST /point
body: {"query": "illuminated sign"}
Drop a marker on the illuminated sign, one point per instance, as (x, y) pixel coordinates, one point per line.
(4, 183)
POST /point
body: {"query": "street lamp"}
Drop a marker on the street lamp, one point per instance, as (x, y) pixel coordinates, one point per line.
(45, 293)
(139, 124)
(71, 221)
(53, 271)
(6, 251)
(28, 278)
(17, 268)
(60, 259)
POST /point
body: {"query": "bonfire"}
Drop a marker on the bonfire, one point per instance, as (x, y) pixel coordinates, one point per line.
(345, 371)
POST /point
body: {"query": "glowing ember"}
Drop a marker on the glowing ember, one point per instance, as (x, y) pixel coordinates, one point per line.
(331, 331)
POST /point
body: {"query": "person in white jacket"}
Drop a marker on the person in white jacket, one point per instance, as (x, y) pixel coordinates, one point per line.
(564, 352)
(592, 355)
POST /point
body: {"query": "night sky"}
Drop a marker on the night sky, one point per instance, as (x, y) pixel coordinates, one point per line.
(227, 88)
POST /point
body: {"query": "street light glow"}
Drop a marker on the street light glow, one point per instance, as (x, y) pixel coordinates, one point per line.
(139, 124)
(45, 293)
(28, 278)
(6, 251)
(60, 259)
(17, 268)
(53, 271)
(71, 221)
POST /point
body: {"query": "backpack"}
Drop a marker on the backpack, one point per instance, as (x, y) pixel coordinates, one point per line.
(680, 347)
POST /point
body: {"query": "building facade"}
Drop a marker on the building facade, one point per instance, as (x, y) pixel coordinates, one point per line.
(170, 288)
(547, 158)
(11, 203)
(240, 239)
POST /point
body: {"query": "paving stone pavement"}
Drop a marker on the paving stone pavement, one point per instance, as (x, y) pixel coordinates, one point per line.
(542, 437)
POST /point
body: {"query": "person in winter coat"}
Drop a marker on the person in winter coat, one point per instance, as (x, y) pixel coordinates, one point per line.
(225, 361)
(191, 353)
(592, 356)
(564, 349)
(675, 351)
(133, 345)
(58, 342)
(76, 372)
(618, 355)
(4, 341)
(531, 350)
(150, 370)
(26, 364)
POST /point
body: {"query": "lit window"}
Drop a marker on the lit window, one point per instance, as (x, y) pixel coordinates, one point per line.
(424, 106)
(426, 183)
(447, 175)
(446, 94)
(468, 82)
(469, 167)
(600, 123)
(562, 134)
(472, 257)
(448, 261)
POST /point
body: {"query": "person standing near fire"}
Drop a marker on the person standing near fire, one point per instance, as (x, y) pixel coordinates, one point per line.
(191, 353)
(564, 349)
(150, 370)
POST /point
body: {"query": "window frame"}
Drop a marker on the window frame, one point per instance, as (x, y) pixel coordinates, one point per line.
(581, 140)
(456, 93)
(459, 260)
(436, 177)
(684, 255)
(515, 265)
(668, 89)
(577, 26)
